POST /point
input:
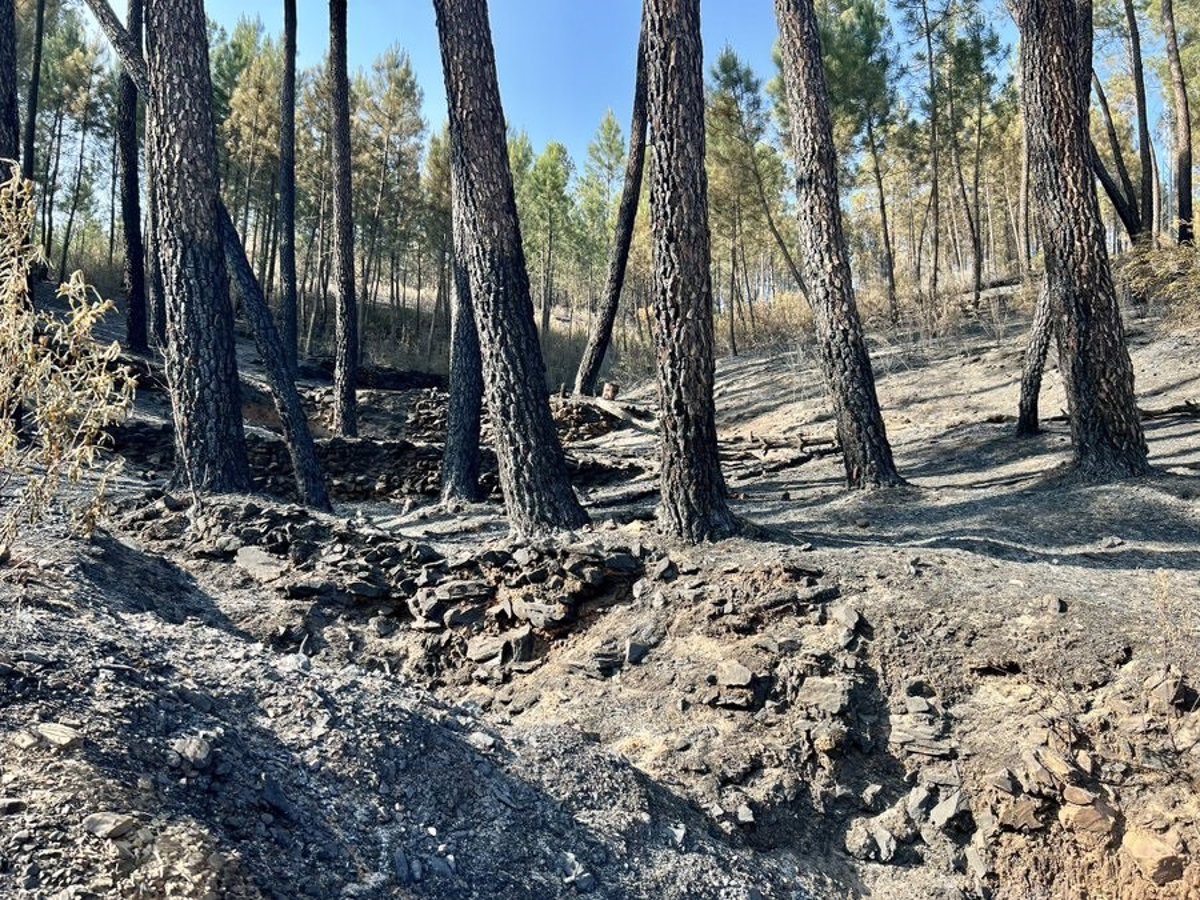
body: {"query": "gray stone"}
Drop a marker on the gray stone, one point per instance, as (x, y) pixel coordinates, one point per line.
(63, 737)
(731, 673)
(109, 825)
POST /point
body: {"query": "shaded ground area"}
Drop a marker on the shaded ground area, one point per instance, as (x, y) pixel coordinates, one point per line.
(979, 685)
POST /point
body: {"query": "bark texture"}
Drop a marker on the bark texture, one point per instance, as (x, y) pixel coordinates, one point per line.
(345, 370)
(1182, 168)
(31, 97)
(136, 322)
(310, 483)
(824, 258)
(693, 504)
(287, 190)
(1056, 60)
(1034, 366)
(10, 115)
(461, 461)
(210, 446)
(598, 341)
(533, 471)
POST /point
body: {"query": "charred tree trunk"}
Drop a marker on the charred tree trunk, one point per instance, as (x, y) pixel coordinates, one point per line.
(533, 471)
(1094, 361)
(35, 81)
(824, 257)
(1146, 192)
(461, 462)
(889, 260)
(345, 371)
(287, 191)
(10, 116)
(210, 446)
(155, 288)
(693, 504)
(136, 330)
(1182, 169)
(597, 346)
(1035, 365)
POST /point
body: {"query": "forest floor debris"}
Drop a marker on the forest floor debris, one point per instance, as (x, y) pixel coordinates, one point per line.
(984, 684)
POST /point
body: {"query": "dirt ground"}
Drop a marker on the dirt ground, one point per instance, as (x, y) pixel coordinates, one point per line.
(982, 684)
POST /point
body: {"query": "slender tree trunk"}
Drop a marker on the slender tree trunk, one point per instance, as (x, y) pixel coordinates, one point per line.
(1055, 61)
(601, 335)
(732, 295)
(1182, 169)
(461, 463)
(155, 287)
(10, 116)
(533, 471)
(1146, 210)
(136, 330)
(345, 372)
(76, 189)
(824, 256)
(548, 280)
(287, 191)
(35, 81)
(889, 262)
(1040, 334)
(693, 504)
(934, 171)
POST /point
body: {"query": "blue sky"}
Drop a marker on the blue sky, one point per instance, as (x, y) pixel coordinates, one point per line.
(561, 63)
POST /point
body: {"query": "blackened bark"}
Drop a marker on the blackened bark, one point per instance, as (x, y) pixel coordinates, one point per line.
(287, 190)
(889, 259)
(310, 483)
(1182, 168)
(461, 460)
(10, 115)
(201, 367)
(156, 292)
(824, 257)
(1036, 349)
(693, 504)
(1097, 373)
(597, 346)
(35, 81)
(1122, 194)
(1145, 151)
(345, 371)
(131, 204)
(533, 471)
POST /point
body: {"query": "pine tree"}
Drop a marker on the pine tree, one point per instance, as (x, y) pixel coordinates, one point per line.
(823, 255)
(136, 322)
(345, 376)
(1056, 52)
(693, 504)
(289, 331)
(533, 473)
(10, 125)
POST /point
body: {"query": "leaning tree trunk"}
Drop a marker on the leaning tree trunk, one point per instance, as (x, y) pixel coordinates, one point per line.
(693, 504)
(533, 471)
(597, 346)
(136, 331)
(31, 98)
(1036, 350)
(287, 190)
(461, 460)
(824, 257)
(210, 445)
(1145, 150)
(1183, 127)
(1094, 361)
(10, 116)
(345, 370)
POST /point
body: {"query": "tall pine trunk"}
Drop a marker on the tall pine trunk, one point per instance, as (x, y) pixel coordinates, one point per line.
(10, 116)
(533, 471)
(1182, 167)
(289, 331)
(1056, 50)
(601, 335)
(210, 446)
(136, 328)
(824, 257)
(345, 371)
(693, 504)
(35, 81)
